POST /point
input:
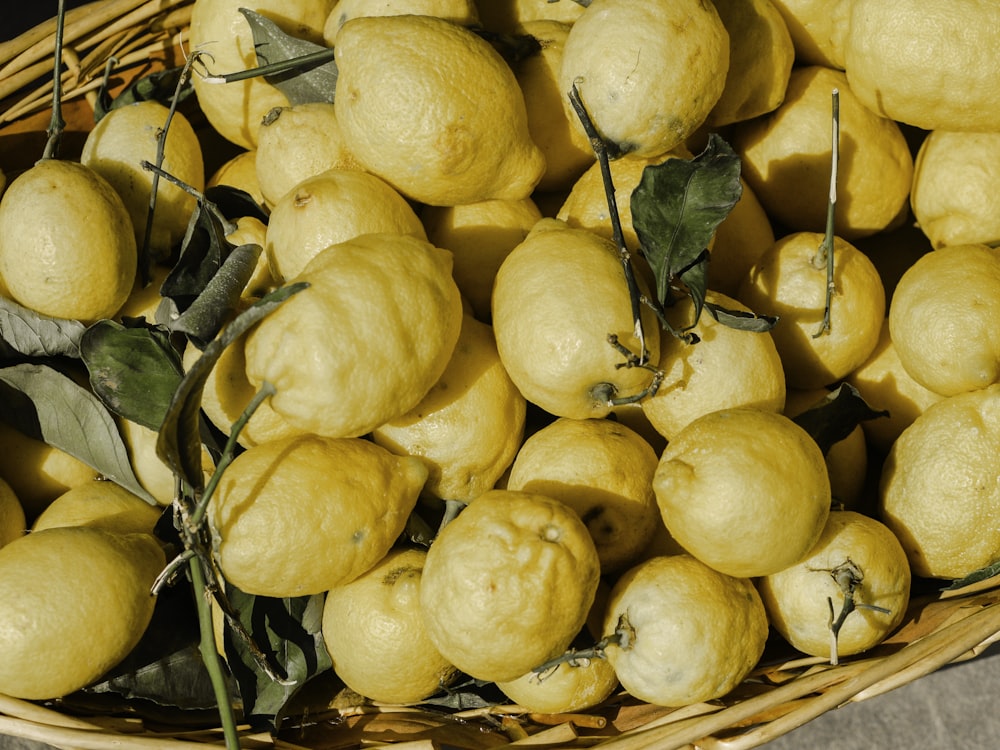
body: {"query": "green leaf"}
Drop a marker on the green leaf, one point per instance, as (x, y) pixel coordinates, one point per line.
(179, 444)
(307, 80)
(741, 319)
(159, 86)
(676, 208)
(975, 577)
(203, 250)
(35, 335)
(836, 416)
(288, 632)
(47, 405)
(134, 370)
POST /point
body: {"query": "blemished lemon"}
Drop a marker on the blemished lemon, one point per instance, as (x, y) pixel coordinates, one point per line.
(568, 152)
(461, 12)
(217, 28)
(818, 29)
(479, 236)
(691, 633)
(46, 264)
(601, 469)
(786, 159)
(469, 426)
(854, 550)
(942, 319)
(789, 282)
(74, 601)
(739, 241)
(374, 632)
(563, 689)
(956, 181)
(331, 207)
(938, 490)
(239, 171)
(411, 109)
(885, 385)
(508, 584)
(299, 516)
(117, 146)
(12, 521)
(295, 143)
(928, 64)
(761, 54)
(726, 368)
(102, 505)
(557, 297)
(386, 302)
(662, 69)
(745, 491)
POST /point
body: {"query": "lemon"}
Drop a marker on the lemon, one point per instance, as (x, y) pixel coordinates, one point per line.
(365, 342)
(295, 143)
(331, 207)
(568, 152)
(761, 54)
(67, 248)
(510, 16)
(661, 70)
(217, 28)
(411, 106)
(374, 632)
(938, 490)
(557, 297)
(239, 171)
(942, 319)
(461, 12)
(117, 146)
(12, 521)
(742, 237)
(469, 426)
(955, 184)
(786, 159)
(818, 29)
(74, 601)
(102, 505)
(867, 556)
(692, 633)
(726, 368)
(563, 689)
(153, 474)
(885, 385)
(928, 64)
(250, 230)
(790, 282)
(299, 516)
(745, 491)
(601, 469)
(508, 584)
(479, 236)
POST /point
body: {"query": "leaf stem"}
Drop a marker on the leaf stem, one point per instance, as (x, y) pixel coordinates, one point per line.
(57, 124)
(319, 57)
(825, 253)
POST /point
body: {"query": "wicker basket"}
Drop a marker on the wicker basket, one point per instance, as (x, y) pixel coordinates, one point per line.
(783, 693)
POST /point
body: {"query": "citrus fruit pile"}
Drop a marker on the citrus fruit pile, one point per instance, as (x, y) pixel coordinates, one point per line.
(561, 347)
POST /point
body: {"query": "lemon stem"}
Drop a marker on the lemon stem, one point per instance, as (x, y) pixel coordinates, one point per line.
(848, 576)
(228, 226)
(825, 253)
(57, 124)
(319, 57)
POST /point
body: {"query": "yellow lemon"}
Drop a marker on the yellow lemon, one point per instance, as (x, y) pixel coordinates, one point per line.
(942, 319)
(374, 632)
(926, 63)
(117, 146)
(508, 584)
(12, 521)
(786, 159)
(955, 183)
(857, 557)
(739, 241)
(153, 474)
(479, 236)
(102, 505)
(331, 207)
(239, 171)
(461, 12)
(790, 281)
(74, 601)
(745, 491)
(67, 248)
(411, 106)
(938, 490)
(566, 688)
(601, 469)
(818, 29)
(509, 16)
(557, 298)
(661, 70)
(726, 368)
(689, 633)
(386, 302)
(299, 516)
